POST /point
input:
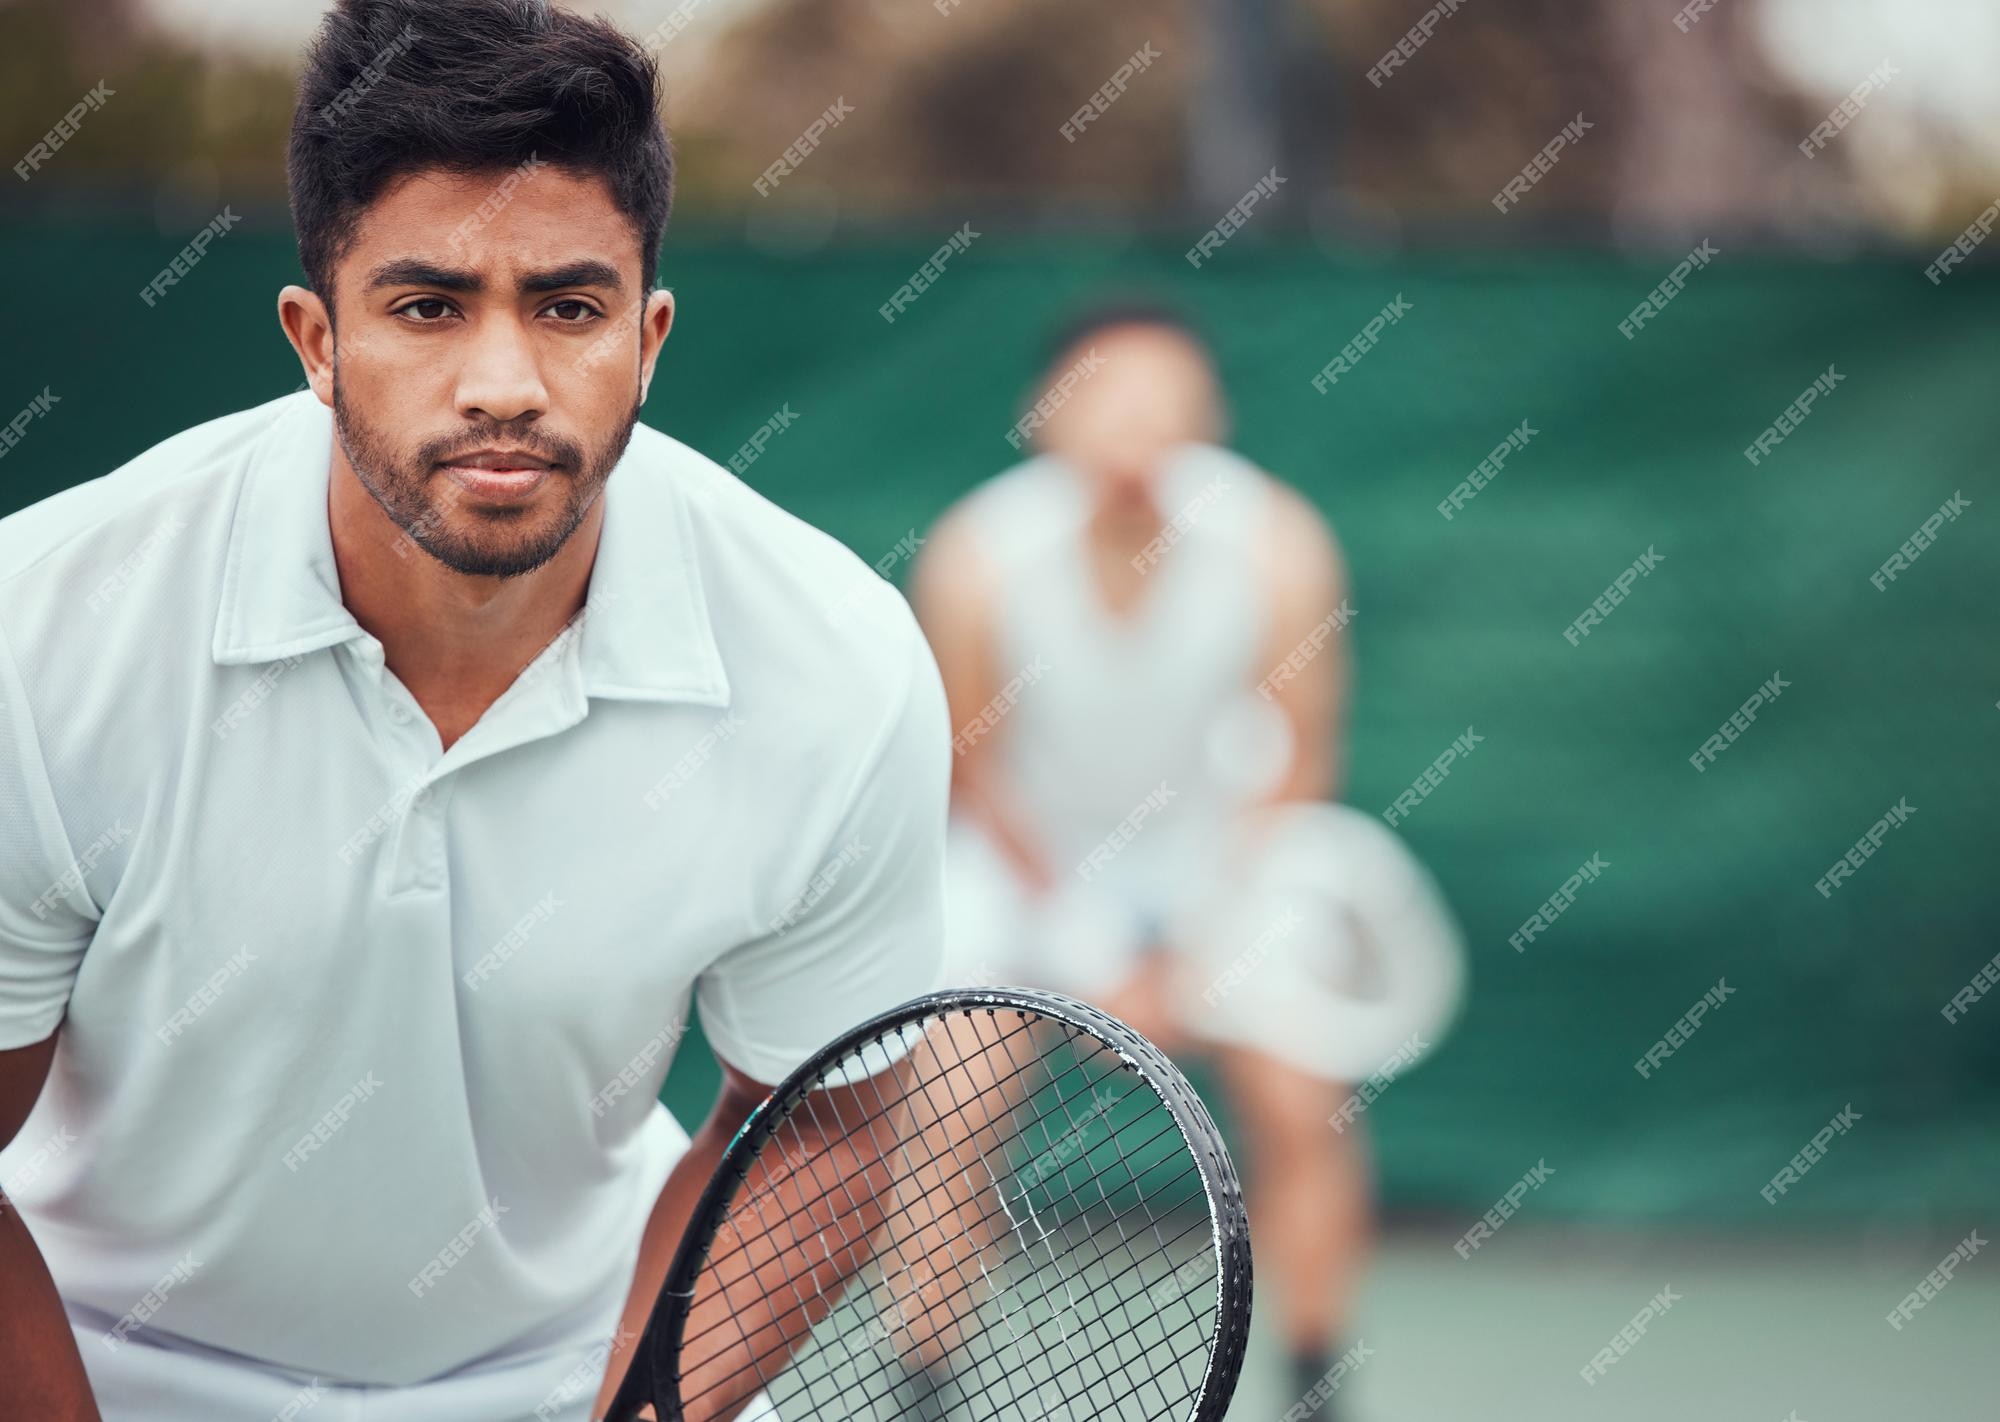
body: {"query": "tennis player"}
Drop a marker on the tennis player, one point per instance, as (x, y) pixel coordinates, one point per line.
(385, 769)
(1143, 640)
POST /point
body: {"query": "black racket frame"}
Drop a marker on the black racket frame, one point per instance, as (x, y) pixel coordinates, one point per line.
(654, 1374)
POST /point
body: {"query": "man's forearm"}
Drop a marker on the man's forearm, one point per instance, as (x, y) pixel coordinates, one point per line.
(799, 1228)
(41, 1372)
(664, 1227)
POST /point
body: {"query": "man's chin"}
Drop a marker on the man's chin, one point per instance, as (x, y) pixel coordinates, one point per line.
(503, 549)
(491, 562)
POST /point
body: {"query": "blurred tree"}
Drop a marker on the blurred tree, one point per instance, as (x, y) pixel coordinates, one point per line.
(959, 106)
(1236, 114)
(182, 130)
(948, 107)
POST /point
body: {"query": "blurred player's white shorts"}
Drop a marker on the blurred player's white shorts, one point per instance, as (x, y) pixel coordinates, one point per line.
(1309, 931)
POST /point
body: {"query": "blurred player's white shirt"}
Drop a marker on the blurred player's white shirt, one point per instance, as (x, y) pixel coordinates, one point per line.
(1150, 714)
(1137, 748)
(361, 1037)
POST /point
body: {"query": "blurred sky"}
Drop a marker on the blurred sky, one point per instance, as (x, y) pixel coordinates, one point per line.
(1953, 45)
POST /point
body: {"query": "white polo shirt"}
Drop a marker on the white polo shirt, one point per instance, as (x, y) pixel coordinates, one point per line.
(361, 1038)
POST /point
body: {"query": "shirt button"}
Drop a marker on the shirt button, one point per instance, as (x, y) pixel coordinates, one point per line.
(399, 713)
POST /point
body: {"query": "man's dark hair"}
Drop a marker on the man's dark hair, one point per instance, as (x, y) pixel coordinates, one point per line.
(392, 87)
(1094, 320)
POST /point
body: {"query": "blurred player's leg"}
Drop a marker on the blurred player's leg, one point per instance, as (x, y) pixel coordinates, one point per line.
(1311, 1194)
(1321, 955)
(1145, 1002)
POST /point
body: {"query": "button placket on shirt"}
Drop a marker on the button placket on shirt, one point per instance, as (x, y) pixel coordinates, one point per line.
(419, 862)
(548, 699)
(417, 851)
(420, 854)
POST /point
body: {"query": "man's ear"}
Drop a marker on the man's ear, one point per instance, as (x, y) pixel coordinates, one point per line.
(308, 325)
(653, 328)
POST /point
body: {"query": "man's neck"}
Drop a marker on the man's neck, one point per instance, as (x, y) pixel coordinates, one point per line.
(1117, 529)
(456, 641)
(1111, 538)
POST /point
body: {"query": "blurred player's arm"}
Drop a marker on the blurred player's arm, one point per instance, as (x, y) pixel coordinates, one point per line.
(952, 591)
(1306, 666)
(41, 1372)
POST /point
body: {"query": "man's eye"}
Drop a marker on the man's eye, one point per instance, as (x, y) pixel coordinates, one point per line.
(573, 313)
(427, 311)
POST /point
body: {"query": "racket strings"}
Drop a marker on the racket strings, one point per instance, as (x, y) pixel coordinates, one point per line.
(1132, 1325)
(1160, 1253)
(1135, 1326)
(1047, 1265)
(805, 1205)
(768, 1191)
(815, 1308)
(1042, 1235)
(966, 1284)
(1118, 1142)
(1074, 1132)
(782, 1346)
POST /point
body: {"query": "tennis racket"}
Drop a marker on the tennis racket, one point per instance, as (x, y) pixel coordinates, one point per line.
(991, 1204)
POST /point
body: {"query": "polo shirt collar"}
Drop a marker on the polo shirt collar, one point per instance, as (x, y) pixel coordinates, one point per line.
(645, 633)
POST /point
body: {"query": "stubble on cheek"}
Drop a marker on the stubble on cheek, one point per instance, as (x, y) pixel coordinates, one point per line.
(436, 514)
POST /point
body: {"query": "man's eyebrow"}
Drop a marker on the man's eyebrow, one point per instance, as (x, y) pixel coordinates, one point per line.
(587, 272)
(413, 271)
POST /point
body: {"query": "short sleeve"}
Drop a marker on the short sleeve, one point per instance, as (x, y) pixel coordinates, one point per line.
(867, 931)
(45, 917)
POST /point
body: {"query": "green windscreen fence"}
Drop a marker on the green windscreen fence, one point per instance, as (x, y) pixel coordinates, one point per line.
(1890, 696)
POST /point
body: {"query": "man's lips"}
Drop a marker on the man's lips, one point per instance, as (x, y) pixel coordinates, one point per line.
(498, 459)
(498, 475)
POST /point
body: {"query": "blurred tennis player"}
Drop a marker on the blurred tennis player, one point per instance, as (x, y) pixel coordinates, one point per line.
(383, 771)
(1142, 640)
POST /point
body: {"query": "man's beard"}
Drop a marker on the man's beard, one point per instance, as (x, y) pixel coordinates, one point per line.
(502, 545)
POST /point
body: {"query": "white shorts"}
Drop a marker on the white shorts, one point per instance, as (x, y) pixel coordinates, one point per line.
(156, 1377)
(1312, 934)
